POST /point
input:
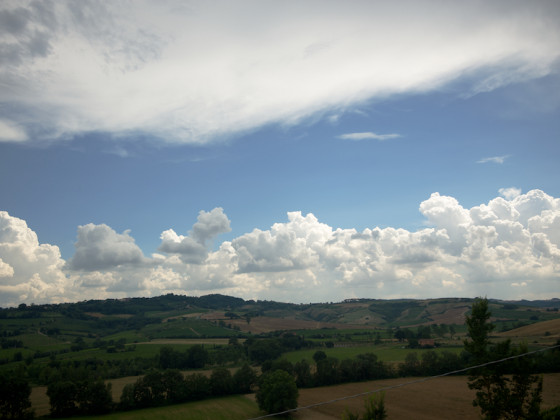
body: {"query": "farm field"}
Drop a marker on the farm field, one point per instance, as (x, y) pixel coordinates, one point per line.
(442, 398)
(549, 328)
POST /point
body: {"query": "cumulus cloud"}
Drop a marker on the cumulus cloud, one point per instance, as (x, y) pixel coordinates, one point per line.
(209, 225)
(506, 248)
(284, 247)
(368, 136)
(99, 247)
(191, 73)
(29, 271)
(193, 248)
(510, 193)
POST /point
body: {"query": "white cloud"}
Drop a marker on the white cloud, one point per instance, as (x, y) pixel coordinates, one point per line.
(6, 270)
(494, 159)
(193, 248)
(99, 247)
(10, 132)
(506, 249)
(209, 225)
(510, 193)
(368, 136)
(284, 247)
(190, 73)
(29, 271)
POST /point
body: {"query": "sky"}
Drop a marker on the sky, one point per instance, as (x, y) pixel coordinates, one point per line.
(282, 150)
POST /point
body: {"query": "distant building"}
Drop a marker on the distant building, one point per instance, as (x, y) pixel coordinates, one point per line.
(426, 342)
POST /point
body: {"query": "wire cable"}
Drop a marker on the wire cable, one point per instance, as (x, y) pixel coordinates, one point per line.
(428, 378)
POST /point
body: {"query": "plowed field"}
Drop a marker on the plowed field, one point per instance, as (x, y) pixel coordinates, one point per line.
(442, 398)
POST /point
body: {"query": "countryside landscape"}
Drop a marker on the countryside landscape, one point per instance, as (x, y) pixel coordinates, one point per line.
(266, 209)
(224, 344)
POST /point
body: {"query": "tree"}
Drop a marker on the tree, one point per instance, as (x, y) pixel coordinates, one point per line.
(197, 356)
(498, 395)
(14, 397)
(174, 386)
(264, 349)
(95, 398)
(452, 330)
(319, 355)
(221, 382)
(277, 392)
(244, 379)
(149, 390)
(411, 365)
(302, 370)
(63, 396)
(197, 387)
(327, 372)
(399, 335)
(479, 328)
(374, 409)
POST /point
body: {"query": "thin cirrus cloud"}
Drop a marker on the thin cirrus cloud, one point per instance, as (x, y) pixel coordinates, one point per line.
(191, 73)
(368, 136)
(508, 248)
(494, 159)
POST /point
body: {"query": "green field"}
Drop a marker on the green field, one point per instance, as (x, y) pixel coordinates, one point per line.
(228, 408)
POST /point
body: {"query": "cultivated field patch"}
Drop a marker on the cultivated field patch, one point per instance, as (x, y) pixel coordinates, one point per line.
(442, 398)
(549, 328)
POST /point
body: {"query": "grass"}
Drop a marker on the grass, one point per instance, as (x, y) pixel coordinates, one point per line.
(130, 336)
(229, 408)
(41, 342)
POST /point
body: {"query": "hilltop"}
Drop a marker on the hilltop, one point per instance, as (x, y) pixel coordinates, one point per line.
(178, 316)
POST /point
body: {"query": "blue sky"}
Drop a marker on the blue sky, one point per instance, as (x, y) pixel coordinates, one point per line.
(169, 148)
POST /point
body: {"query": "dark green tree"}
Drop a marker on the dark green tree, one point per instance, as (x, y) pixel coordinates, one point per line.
(499, 396)
(264, 349)
(197, 356)
(479, 328)
(277, 392)
(327, 372)
(197, 387)
(411, 365)
(167, 358)
(174, 386)
(149, 390)
(127, 397)
(244, 379)
(63, 397)
(94, 397)
(319, 355)
(14, 397)
(302, 370)
(221, 382)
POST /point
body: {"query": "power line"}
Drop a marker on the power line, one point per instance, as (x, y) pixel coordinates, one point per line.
(428, 378)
